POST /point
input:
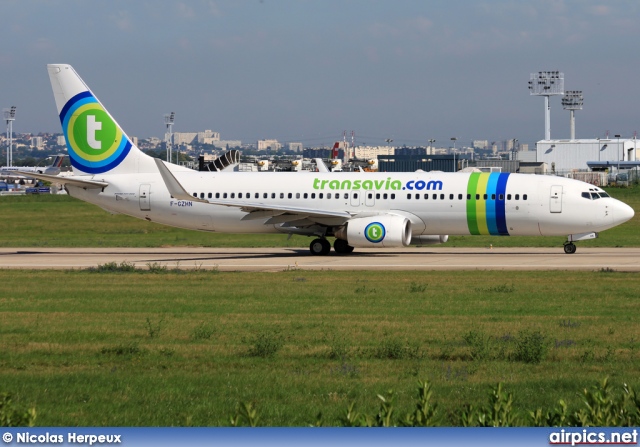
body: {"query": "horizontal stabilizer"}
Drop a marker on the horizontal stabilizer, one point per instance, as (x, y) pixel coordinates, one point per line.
(73, 181)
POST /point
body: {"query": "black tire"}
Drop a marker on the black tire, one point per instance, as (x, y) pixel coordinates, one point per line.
(342, 247)
(570, 248)
(320, 247)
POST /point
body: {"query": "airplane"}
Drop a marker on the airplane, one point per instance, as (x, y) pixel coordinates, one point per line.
(379, 210)
(52, 169)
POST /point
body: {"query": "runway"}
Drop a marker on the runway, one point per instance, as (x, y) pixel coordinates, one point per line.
(279, 259)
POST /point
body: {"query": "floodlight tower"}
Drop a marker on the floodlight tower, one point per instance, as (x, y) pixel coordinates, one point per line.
(168, 136)
(546, 83)
(10, 116)
(572, 101)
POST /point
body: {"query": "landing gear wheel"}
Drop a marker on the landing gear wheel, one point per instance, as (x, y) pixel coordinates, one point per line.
(320, 247)
(570, 248)
(342, 247)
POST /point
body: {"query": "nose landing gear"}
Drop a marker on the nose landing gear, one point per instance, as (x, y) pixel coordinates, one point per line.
(569, 248)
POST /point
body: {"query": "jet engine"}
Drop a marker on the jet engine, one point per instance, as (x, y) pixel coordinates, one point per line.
(430, 239)
(386, 230)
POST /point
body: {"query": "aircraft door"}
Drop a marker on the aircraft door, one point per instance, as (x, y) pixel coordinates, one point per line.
(145, 202)
(355, 198)
(369, 198)
(555, 200)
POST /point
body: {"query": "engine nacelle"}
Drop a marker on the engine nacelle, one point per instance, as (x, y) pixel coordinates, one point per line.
(386, 230)
(430, 239)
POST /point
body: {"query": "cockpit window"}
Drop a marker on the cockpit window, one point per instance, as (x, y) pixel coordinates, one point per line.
(604, 194)
(586, 195)
(594, 196)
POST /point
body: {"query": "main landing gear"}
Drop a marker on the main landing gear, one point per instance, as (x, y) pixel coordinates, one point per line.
(322, 247)
(569, 248)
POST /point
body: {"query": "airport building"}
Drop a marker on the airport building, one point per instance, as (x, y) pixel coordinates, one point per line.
(562, 156)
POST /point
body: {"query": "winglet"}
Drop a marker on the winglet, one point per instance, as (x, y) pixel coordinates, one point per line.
(74, 181)
(173, 185)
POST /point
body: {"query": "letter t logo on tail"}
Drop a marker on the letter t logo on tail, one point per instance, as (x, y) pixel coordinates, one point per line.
(92, 127)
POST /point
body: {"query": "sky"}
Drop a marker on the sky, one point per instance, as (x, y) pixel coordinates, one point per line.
(307, 70)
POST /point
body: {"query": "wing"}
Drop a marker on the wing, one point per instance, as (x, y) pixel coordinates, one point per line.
(276, 214)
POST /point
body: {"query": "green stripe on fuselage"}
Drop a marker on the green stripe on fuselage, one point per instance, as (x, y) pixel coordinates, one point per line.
(472, 220)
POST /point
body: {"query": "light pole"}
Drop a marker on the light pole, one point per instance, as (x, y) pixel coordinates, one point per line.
(546, 83)
(10, 116)
(455, 168)
(572, 101)
(618, 137)
(431, 141)
(514, 149)
(389, 141)
(168, 136)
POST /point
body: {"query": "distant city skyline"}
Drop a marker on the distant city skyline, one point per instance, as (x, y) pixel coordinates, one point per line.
(307, 71)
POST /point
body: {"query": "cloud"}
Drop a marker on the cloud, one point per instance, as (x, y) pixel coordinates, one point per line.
(186, 11)
(600, 10)
(122, 20)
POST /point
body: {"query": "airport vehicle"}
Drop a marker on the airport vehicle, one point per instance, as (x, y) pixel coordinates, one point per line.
(52, 169)
(359, 210)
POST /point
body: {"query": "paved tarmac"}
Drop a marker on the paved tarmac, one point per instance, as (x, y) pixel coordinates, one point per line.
(278, 259)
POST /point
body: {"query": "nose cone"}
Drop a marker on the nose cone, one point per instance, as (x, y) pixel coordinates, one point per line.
(622, 213)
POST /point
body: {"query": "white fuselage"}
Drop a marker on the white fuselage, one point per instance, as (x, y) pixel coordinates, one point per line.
(434, 202)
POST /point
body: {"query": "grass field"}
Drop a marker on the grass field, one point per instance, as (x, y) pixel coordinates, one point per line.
(61, 221)
(184, 348)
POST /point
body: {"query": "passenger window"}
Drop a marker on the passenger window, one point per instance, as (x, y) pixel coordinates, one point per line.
(468, 196)
(297, 195)
(459, 196)
(239, 195)
(217, 195)
(305, 196)
(328, 195)
(493, 197)
(477, 196)
(426, 197)
(282, 195)
(378, 196)
(195, 194)
(210, 195)
(441, 196)
(370, 195)
(355, 195)
(321, 195)
(224, 196)
(517, 196)
(435, 197)
(233, 195)
(524, 197)
(313, 195)
(257, 196)
(450, 196)
(393, 196)
(273, 195)
(484, 196)
(346, 195)
(290, 195)
(409, 196)
(501, 197)
(384, 196)
(265, 195)
(508, 196)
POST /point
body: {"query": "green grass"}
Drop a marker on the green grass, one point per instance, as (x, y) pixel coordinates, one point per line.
(142, 349)
(61, 221)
